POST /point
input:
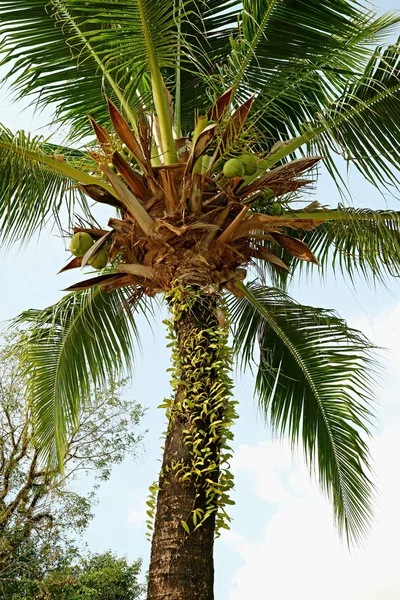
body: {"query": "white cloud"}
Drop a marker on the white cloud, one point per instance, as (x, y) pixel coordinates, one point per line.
(137, 514)
(300, 554)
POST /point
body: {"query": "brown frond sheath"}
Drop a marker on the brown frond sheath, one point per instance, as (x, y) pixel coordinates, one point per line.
(236, 122)
(75, 263)
(265, 254)
(101, 195)
(102, 135)
(219, 221)
(220, 106)
(196, 195)
(131, 203)
(137, 270)
(94, 233)
(132, 179)
(119, 281)
(229, 231)
(127, 137)
(94, 282)
(257, 223)
(295, 247)
(282, 176)
(168, 185)
(202, 143)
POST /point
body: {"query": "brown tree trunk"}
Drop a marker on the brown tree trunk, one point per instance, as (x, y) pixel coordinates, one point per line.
(181, 566)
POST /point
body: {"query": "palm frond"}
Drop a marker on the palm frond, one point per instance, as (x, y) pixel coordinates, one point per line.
(207, 28)
(353, 241)
(31, 191)
(68, 350)
(295, 81)
(314, 383)
(360, 242)
(364, 123)
(79, 52)
(280, 32)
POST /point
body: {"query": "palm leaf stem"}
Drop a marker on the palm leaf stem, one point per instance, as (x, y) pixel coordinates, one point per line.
(160, 99)
(335, 215)
(53, 165)
(178, 90)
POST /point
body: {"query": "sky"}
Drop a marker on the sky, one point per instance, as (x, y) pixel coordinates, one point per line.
(282, 543)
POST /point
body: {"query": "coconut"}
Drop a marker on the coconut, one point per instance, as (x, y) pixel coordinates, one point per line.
(250, 163)
(80, 243)
(99, 259)
(233, 168)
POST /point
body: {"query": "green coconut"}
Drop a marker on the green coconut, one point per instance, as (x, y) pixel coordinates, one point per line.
(99, 259)
(250, 163)
(80, 243)
(233, 168)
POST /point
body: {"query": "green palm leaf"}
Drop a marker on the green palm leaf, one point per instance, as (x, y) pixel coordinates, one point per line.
(353, 241)
(51, 71)
(294, 81)
(68, 350)
(283, 32)
(80, 51)
(313, 382)
(360, 242)
(35, 185)
(364, 123)
(207, 29)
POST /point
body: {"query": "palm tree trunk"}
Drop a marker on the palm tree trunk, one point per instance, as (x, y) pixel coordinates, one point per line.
(181, 566)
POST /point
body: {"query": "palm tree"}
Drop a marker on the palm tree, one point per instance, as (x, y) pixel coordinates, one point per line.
(209, 119)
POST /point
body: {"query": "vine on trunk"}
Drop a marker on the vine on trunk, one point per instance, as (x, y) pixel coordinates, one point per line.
(202, 398)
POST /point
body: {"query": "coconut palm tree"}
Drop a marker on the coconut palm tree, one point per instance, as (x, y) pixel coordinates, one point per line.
(207, 123)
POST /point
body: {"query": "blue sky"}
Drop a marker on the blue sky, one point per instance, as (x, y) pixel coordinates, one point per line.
(282, 543)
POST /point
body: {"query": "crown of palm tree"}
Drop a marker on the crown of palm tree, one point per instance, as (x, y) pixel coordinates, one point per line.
(287, 81)
(181, 224)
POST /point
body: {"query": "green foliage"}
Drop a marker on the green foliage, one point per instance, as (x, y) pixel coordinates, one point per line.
(360, 242)
(326, 83)
(41, 513)
(22, 579)
(68, 351)
(74, 45)
(316, 78)
(354, 242)
(201, 366)
(72, 575)
(313, 383)
(106, 577)
(30, 194)
(334, 42)
(151, 503)
(363, 122)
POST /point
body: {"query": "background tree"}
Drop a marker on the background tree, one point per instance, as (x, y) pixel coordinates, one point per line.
(69, 574)
(216, 118)
(41, 514)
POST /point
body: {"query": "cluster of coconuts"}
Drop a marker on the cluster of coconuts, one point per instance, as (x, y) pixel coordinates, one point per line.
(246, 164)
(81, 242)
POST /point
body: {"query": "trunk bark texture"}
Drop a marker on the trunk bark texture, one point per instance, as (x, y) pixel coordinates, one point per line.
(181, 566)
